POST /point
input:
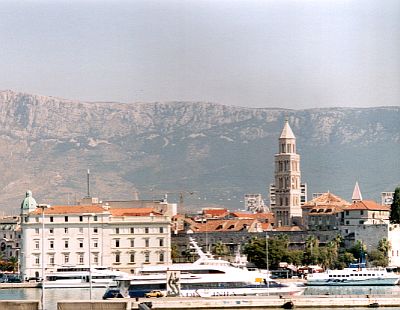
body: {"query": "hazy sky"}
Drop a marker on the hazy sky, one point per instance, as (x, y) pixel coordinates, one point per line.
(276, 53)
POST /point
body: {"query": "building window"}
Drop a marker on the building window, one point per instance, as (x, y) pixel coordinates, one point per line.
(51, 244)
(51, 260)
(117, 243)
(161, 257)
(117, 258)
(66, 258)
(95, 258)
(80, 218)
(37, 219)
(132, 258)
(37, 259)
(80, 243)
(362, 212)
(117, 230)
(161, 242)
(161, 230)
(95, 243)
(95, 218)
(146, 243)
(37, 244)
(65, 218)
(66, 230)
(132, 241)
(147, 257)
(51, 231)
(132, 230)
(81, 230)
(347, 222)
(146, 230)
(66, 244)
(51, 219)
(347, 212)
(80, 258)
(95, 230)
(37, 231)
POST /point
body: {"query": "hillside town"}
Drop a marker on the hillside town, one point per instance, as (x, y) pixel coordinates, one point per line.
(127, 235)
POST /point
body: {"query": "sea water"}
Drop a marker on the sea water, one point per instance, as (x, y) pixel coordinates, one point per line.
(53, 295)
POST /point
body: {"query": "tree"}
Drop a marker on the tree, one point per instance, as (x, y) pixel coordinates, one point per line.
(256, 252)
(174, 253)
(220, 249)
(311, 254)
(395, 207)
(384, 246)
(378, 258)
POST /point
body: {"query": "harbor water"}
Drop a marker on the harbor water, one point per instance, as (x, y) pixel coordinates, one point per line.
(53, 295)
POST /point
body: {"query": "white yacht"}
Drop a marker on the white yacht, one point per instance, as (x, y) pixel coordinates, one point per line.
(205, 277)
(79, 277)
(355, 274)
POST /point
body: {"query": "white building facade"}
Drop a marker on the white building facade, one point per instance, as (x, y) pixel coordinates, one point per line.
(124, 239)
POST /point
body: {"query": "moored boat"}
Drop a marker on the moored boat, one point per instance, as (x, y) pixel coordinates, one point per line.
(354, 275)
(205, 277)
(82, 276)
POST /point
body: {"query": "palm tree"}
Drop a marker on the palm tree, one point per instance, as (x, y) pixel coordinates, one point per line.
(220, 249)
(13, 262)
(312, 250)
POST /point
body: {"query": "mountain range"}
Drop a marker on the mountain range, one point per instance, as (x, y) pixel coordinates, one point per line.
(210, 153)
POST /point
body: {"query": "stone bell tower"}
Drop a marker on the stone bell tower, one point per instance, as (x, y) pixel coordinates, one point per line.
(287, 180)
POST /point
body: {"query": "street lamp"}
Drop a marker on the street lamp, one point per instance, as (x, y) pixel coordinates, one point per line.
(89, 255)
(43, 207)
(266, 251)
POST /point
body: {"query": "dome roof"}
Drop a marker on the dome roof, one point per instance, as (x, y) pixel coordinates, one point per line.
(29, 203)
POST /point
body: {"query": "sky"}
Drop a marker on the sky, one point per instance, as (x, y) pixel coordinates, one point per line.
(273, 53)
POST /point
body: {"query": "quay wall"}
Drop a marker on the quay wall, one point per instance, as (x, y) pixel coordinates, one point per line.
(19, 304)
(268, 302)
(20, 285)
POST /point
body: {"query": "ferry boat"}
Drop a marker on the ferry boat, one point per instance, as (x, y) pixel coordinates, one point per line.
(204, 278)
(80, 276)
(354, 275)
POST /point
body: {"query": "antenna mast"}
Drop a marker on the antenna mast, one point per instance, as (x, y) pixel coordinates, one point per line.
(88, 183)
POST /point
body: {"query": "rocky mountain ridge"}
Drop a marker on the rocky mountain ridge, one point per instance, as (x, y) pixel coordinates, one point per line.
(220, 152)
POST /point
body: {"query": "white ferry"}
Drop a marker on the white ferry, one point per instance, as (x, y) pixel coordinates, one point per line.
(354, 275)
(79, 277)
(205, 277)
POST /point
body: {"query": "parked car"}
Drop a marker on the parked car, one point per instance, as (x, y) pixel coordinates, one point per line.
(154, 293)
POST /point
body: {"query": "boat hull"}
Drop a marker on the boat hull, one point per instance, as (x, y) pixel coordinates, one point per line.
(346, 282)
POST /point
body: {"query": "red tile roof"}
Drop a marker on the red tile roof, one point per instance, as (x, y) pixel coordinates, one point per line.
(223, 225)
(215, 212)
(367, 205)
(79, 209)
(133, 212)
(326, 199)
(261, 216)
